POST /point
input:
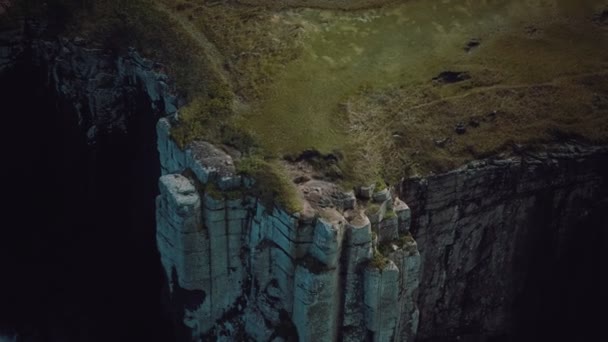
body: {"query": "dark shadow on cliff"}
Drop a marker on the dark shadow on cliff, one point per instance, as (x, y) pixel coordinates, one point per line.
(556, 247)
(564, 296)
(77, 243)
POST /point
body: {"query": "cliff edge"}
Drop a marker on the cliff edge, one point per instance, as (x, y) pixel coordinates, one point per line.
(238, 268)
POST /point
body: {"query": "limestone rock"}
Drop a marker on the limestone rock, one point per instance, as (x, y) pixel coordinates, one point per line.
(388, 229)
(381, 196)
(381, 291)
(404, 215)
(316, 304)
(270, 275)
(327, 243)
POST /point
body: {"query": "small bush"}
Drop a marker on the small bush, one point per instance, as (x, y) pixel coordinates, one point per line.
(406, 239)
(380, 185)
(378, 260)
(373, 209)
(389, 214)
(272, 185)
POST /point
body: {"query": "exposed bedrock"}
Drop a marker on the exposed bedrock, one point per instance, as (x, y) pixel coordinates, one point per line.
(239, 269)
(514, 248)
(100, 88)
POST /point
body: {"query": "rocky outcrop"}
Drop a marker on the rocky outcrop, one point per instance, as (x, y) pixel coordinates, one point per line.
(102, 89)
(493, 236)
(99, 87)
(240, 269)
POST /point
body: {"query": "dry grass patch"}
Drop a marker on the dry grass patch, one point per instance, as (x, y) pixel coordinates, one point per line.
(415, 131)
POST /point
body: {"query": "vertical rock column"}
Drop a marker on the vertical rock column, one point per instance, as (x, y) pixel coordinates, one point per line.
(381, 294)
(358, 251)
(317, 301)
(315, 294)
(180, 234)
(172, 158)
(184, 248)
(407, 259)
(221, 293)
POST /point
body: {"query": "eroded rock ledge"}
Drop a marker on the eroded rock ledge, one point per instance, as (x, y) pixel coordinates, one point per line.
(239, 268)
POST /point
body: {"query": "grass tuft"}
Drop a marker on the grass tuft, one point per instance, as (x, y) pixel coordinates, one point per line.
(378, 260)
(390, 214)
(372, 209)
(272, 185)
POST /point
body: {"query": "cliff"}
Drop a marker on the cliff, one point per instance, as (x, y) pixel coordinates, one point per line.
(508, 244)
(488, 236)
(234, 266)
(493, 236)
(238, 268)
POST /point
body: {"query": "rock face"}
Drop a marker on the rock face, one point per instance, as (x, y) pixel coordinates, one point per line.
(100, 88)
(497, 236)
(238, 269)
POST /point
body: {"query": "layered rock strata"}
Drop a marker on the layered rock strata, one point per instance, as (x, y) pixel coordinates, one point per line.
(493, 237)
(101, 89)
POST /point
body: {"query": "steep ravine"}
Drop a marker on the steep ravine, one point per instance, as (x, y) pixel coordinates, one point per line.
(508, 249)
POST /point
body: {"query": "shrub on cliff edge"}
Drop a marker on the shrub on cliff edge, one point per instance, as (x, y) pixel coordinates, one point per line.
(272, 185)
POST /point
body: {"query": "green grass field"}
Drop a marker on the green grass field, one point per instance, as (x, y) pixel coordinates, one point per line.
(359, 84)
(362, 83)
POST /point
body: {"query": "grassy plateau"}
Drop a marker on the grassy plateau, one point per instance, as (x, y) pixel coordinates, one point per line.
(409, 88)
